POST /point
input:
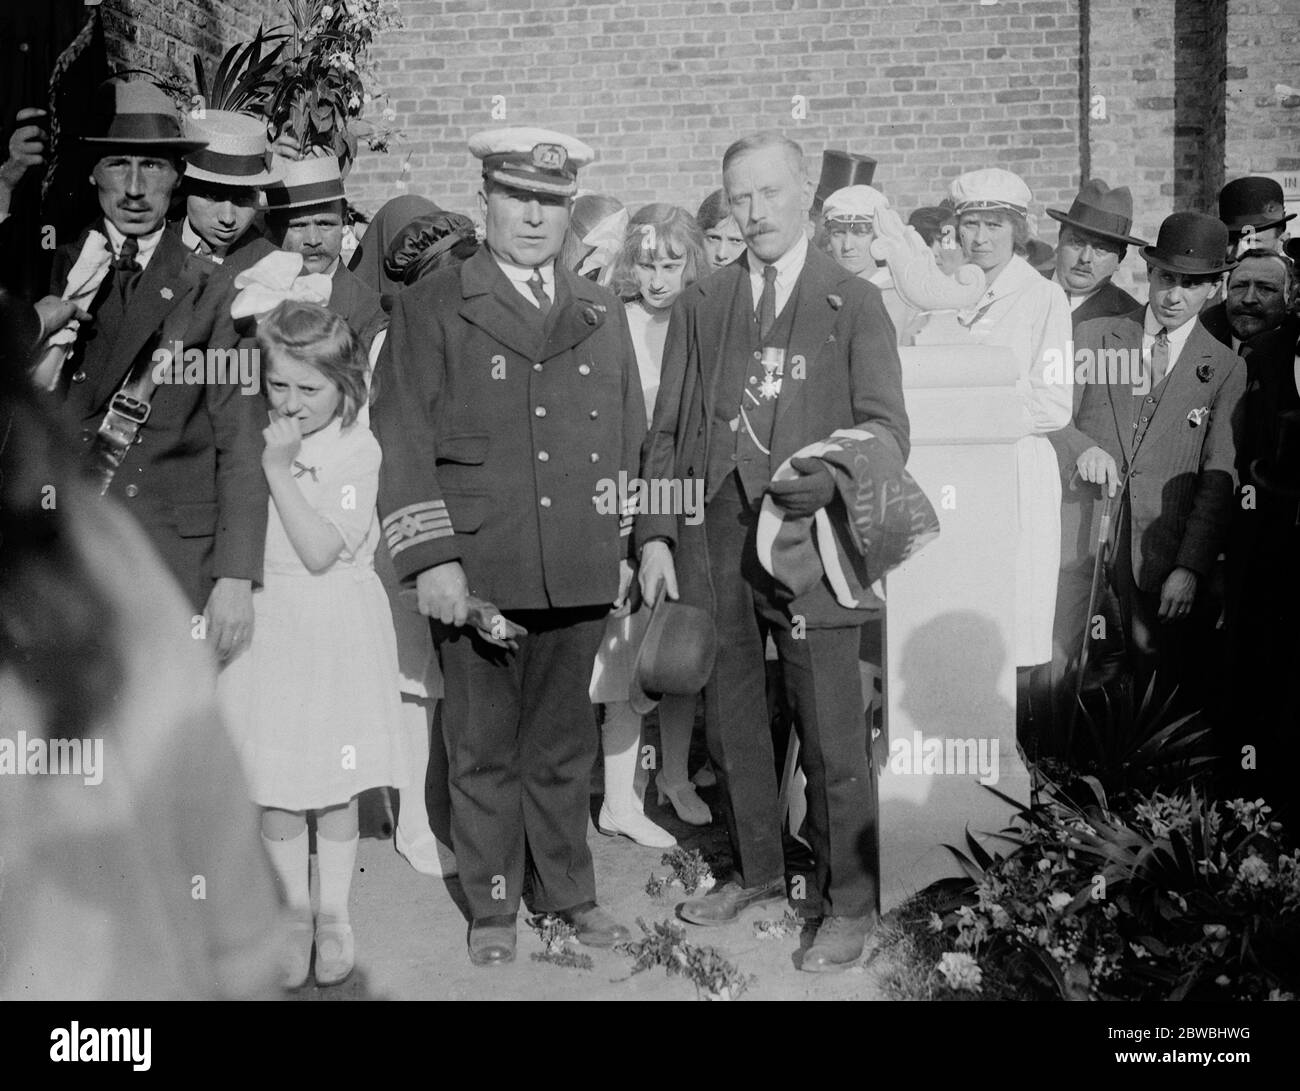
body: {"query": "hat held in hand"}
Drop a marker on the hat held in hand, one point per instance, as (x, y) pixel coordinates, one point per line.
(676, 656)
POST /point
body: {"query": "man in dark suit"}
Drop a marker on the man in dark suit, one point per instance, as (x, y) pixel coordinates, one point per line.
(193, 475)
(509, 400)
(1161, 433)
(1094, 240)
(306, 204)
(1258, 296)
(764, 357)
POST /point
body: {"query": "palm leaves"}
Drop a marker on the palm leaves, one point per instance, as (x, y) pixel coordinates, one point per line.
(244, 80)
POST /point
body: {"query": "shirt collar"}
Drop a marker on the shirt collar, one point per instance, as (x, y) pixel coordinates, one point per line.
(195, 243)
(147, 243)
(788, 265)
(521, 274)
(1151, 326)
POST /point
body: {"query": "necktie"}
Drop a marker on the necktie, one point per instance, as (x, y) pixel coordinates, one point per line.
(1159, 356)
(126, 269)
(767, 303)
(539, 291)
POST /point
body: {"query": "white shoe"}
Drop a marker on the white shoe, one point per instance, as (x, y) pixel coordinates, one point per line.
(690, 807)
(635, 827)
(426, 854)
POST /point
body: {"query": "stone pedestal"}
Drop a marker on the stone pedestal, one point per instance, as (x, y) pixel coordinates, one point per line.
(950, 685)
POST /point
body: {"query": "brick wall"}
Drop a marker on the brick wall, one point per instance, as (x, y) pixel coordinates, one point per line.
(1263, 50)
(660, 87)
(162, 36)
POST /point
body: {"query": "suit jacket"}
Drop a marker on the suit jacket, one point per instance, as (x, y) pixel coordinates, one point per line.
(1215, 319)
(247, 250)
(352, 299)
(1110, 299)
(850, 374)
(504, 435)
(1180, 476)
(194, 480)
(1270, 391)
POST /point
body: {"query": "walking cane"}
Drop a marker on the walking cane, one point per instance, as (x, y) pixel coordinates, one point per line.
(1103, 543)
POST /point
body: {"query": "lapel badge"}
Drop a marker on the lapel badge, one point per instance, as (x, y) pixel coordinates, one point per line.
(835, 301)
(590, 316)
(1197, 417)
(1204, 372)
(166, 293)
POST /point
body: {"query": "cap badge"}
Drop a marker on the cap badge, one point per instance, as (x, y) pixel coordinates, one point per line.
(549, 156)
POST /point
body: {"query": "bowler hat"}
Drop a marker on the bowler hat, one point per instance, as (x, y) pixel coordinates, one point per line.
(1252, 202)
(842, 169)
(676, 656)
(136, 113)
(1100, 210)
(1191, 243)
(1281, 473)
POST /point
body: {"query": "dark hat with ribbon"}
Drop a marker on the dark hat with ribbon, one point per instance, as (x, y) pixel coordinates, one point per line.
(676, 655)
(1100, 210)
(1255, 202)
(430, 242)
(840, 170)
(1281, 473)
(135, 113)
(1191, 243)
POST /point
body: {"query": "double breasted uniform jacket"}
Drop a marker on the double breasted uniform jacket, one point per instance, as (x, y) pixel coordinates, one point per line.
(504, 435)
(1175, 445)
(194, 478)
(841, 370)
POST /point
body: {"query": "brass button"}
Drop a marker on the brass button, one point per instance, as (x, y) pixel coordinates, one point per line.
(583, 369)
(545, 501)
(757, 355)
(542, 456)
(78, 376)
(753, 379)
(132, 491)
(1150, 400)
(1145, 419)
(594, 414)
(537, 367)
(540, 411)
(595, 457)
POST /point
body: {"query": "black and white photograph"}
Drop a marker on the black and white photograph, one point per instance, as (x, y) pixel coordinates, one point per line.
(653, 500)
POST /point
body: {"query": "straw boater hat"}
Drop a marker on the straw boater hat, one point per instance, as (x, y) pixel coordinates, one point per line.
(1191, 243)
(235, 152)
(299, 183)
(991, 188)
(1255, 202)
(854, 204)
(534, 160)
(136, 114)
(1100, 210)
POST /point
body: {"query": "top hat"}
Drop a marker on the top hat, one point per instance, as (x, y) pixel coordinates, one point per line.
(1252, 202)
(676, 655)
(1100, 210)
(1281, 473)
(298, 183)
(136, 113)
(534, 160)
(1191, 243)
(235, 152)
(842, 169)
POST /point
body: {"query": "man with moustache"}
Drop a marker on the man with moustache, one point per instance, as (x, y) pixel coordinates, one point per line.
(185, 459)
(1260, 290)
(508, 391)
(1164, 442)
(764, 357)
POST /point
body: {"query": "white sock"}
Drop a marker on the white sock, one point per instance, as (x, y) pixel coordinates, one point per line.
(335, 860)
(621, 738)
(289, 859)
(413, 817)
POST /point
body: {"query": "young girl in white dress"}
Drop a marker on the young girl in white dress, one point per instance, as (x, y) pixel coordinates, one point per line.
(662, 254)
(314, 702)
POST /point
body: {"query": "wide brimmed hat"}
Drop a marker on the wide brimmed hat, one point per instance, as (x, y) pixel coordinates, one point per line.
(676, 655)
(138, 114)
(991, 188)
(1191, 243)
(1252, 202)
(298, 183)
(1281, 473)
(533, 160)
(839, 170)
(235, 151)
(1100, 210)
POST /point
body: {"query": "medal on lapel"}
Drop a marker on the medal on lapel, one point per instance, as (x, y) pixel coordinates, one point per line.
(773, 361)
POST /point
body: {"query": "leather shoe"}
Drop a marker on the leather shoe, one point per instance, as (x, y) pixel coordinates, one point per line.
(491, 942)
(838, 944)
(724, 905)
(595, 927)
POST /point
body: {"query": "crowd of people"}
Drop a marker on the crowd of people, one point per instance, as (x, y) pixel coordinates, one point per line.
(394, 546)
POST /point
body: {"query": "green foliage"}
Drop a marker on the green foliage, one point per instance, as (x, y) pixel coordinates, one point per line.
(691, 873)
(243, 80)
(791, 924)
(665, 945)
(558, 940)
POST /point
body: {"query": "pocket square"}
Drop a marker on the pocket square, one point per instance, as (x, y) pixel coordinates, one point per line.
(1197, 417)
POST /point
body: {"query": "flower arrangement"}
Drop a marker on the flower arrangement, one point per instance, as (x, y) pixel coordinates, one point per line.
(691, 874)
(665, 944)
(558, 940)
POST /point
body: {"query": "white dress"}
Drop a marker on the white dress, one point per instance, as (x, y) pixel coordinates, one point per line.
(1031, 316)
(314, 702)
(611, 676)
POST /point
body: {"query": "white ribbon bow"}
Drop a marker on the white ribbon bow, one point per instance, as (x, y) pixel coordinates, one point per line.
(273, 280)
(607, 238)
(84, 278)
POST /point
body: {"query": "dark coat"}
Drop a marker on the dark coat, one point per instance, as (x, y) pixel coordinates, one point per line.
(194, 481)
(1215, 319)
(1181, 478)
(246, 251)
(1110, 299)
(500, 432)
(353, 300)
